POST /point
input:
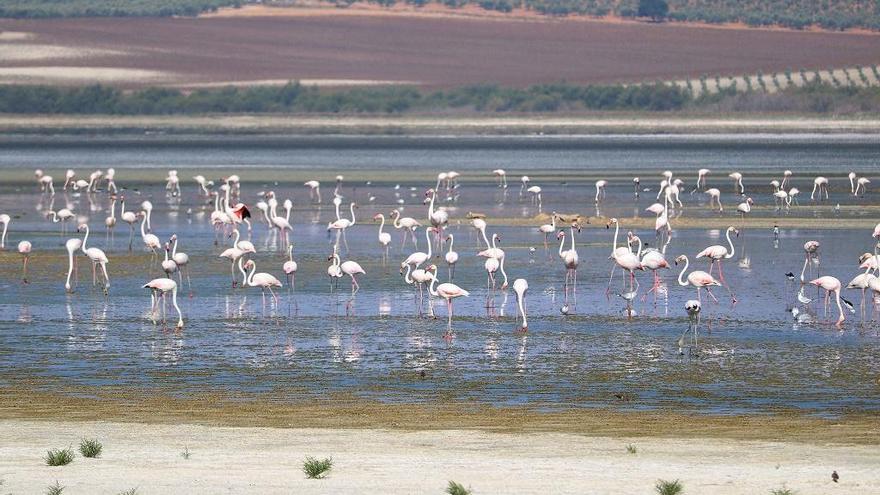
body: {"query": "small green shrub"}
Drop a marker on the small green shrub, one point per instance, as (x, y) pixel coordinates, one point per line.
(130, 491)
(315, 468)
(782, 491)
(55, 489)
(185, 454)
(90, 448)
(631, 449)
(454, 488)
(59, 457)
(663, 487)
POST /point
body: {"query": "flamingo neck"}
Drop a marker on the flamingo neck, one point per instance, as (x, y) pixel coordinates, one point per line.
(616, 230)
(395, 219)
(431, 289)
(290, 252)
(522, 310)
(176, 307)
(338, 217)
(486, 240)
(237, 235)
(226, 200)
(839, 307)
(3, 237)
(406, 276)
(143, 226)
(351, 208)
(174, 249)
(166, 254)
(572, 239)
(681, 275)
(804, 269)
(501, 267)
(561, 244)
(451, 242)
(69, 268)
(732, 247)
(382, 224)
(85, 238)
(249, 276)
(428, 239)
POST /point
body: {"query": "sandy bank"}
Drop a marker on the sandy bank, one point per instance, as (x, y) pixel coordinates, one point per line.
(269, 460)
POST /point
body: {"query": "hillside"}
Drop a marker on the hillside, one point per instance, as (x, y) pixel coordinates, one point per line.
(797, 14)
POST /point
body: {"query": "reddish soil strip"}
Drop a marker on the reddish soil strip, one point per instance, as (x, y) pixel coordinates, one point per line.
(441, 51)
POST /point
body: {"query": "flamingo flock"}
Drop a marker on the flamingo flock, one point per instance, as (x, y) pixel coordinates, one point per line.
(231, 217)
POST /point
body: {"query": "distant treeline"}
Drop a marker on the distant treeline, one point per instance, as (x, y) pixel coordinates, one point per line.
(110, 8)
(296, 98)
(798, 14)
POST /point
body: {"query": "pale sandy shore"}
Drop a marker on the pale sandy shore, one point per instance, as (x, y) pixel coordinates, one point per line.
(428, 124)
(269, 460)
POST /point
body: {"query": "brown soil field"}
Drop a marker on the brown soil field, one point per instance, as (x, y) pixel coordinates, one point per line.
(343, 46)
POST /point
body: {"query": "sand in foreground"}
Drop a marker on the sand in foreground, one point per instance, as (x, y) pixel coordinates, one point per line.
(269, 460)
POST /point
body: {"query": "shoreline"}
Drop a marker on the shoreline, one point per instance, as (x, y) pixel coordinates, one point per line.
(429, 125)
(343, 411)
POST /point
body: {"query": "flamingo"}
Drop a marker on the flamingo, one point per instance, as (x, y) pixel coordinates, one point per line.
(263, 280)
(408, 224)
(661, 223)
(781, 198)
(163, 286)
(130, 218)
(623, 257)
(821, 184)
(737, 182)
(314, 190)
(852, 183)
(524, 180)
(494, 251)
(45, 182)
(73, 245)
(862, 282)
(520, 287)
(501, 174)
(600, 190)
(24, 249)
(536, 195)
(203, 184)
(420, 278)
(417, 258)
(492, 265)
(786, 178)
(831, 284)
(697, 278)
(290, 266)
(744, 208)
(451, 257)
(793, 196)
(569, 259)
(439, 218)
(447, 291)
(110, 222)
(654, 260)
(168, 265)
(775, 185)
(350, 268)
(715, 196)
(548, 228)
(811, 250)
(334, 271)
(234, 254)
(151, 241)
(343, 223)
(110, 177)
(480, 225)
(862, 184)
(384, 237)
(63, 215)
(97, 257)
(693, 309)
(147, 209)
(716, 253)
(68, 179)
(182, 261)
(636, 186)
(701, 179)
(4, 219)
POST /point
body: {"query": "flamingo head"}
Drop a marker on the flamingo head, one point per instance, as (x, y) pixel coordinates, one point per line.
(560, 234)
(378, 216)
(167, 247)
(635, 180)
(82, 227)
(241, 211)
(249, 264)
(173, 238)
(497, 237)
(431, 268)
(736, 232)
(394, 213)
(680, 259)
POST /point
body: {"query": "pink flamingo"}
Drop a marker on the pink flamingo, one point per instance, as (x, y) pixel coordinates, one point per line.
(73, 245)
(821, 184)
(182, 261)
(24, 248)
(654, 260)
(715, 197)
(263, 280)
(97, 257)
(290, 266)
(548, 228)
(811, 250)
(716, 254)
(448, 291)
(408, 224)
(830, 284)
(623, 257)
(600, 190)
(569, 259)
(162, 286)
(352, 268)
(234, 254)
(737, 182)
(697, 278)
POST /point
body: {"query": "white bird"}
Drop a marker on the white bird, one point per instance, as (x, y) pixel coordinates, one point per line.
(520, 286)
(162, 286)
